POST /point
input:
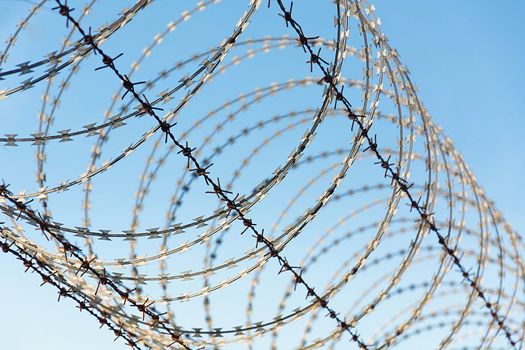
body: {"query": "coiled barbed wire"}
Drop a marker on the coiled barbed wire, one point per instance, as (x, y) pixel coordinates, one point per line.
(412, 163)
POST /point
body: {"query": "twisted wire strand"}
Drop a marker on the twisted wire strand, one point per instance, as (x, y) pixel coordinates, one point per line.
(449, 190)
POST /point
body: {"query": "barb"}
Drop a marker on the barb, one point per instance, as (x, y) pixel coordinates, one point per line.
(425, 217)
(86, 265)
(40, 267)
(202, 171)
(134, 316)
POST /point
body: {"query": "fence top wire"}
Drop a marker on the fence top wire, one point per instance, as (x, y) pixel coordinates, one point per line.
(359, 198)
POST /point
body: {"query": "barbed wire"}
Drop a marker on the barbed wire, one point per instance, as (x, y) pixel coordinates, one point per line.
(80, 275)
(402, 184)
(202, 171)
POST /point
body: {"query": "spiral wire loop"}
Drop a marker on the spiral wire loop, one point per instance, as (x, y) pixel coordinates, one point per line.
(373, 226)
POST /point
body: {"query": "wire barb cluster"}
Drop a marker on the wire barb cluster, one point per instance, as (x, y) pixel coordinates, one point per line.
(132, 312)
(402, 184)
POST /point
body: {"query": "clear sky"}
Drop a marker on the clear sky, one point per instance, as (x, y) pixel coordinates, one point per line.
(466, 58)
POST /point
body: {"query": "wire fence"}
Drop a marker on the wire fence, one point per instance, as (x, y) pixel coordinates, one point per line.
(145, 316)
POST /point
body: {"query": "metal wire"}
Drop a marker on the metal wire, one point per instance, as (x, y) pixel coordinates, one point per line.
(474, 259)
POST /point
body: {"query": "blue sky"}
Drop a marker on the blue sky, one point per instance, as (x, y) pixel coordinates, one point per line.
(466, 58)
